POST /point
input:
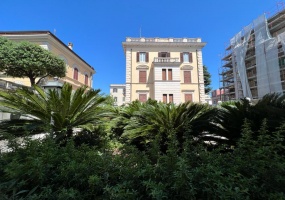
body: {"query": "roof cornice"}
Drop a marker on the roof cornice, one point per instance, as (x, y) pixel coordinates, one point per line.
(40, 33)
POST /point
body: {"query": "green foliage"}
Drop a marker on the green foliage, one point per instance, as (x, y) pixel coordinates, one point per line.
(139, 123)
(54, 111)
(231, 116)
(175, 163)
(25, 59)
(207, 80)
(43, 170)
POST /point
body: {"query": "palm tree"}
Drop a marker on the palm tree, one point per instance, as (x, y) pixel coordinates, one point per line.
(231, 115)
(56, 111)
(167, 120)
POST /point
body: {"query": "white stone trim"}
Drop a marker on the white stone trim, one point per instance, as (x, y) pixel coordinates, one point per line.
(201, 76)
(128, 75)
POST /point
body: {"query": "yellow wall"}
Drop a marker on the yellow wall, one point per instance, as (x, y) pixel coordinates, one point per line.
(153, 52)
(61, 51)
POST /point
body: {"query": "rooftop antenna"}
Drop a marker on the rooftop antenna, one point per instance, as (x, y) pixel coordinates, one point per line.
(54, 31)
(140, 31)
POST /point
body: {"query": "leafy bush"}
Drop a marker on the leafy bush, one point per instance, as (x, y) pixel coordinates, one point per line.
(254, 169)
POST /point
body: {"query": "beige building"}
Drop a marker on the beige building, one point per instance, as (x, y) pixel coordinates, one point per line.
(164, 69)
(78, 71)
(118, 92)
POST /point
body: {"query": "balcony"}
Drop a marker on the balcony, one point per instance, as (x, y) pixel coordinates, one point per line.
(166, 60)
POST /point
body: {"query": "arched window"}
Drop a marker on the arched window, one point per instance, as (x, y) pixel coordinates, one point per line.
(86, 79)
(75, 74)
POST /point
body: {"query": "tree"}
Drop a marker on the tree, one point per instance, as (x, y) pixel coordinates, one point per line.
(207, 80)
(58, 112)
(26, 59)
(186, 120)
(231, 116)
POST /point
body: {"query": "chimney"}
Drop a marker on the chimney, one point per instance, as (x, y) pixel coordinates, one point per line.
(70, 45)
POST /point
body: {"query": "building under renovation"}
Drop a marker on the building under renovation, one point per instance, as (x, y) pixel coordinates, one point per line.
(253, 65)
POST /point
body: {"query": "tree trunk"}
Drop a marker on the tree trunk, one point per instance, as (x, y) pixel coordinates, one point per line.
(32, 80)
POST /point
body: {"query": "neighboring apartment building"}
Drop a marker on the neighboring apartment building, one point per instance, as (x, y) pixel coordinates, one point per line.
(118, 92)
(217, 96)
(164, 69)
(254, 61)
(78, 71)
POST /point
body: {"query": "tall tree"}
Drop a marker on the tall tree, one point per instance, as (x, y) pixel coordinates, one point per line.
(207, 80)
(29, 60)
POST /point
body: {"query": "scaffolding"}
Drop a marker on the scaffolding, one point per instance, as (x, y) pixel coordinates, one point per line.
(254, 61)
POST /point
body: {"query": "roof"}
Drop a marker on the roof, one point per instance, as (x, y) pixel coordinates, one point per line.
(47, 33)
(163, 42)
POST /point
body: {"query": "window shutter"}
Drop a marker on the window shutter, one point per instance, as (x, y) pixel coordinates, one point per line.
(170, 74)
(170, 98)
(164, 99)
(138, 56)
(187, 76)
(190, 57)
(75, 74)
(142, 76)
(181, 57)
(142, 97)
(188, 97)
(163, 74)
(159, 54)
(86, 80)
(146, 57)
(168, 54)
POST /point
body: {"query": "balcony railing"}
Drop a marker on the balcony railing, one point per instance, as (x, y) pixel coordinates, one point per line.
(165, 60)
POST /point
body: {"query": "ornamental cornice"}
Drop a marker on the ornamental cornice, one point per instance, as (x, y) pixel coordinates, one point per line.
(187, 67)
(142, 67)
(142, 91)
(185, 91)
(163, 64)
(164, 44)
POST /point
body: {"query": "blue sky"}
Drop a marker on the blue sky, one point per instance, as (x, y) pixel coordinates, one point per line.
(98, 28)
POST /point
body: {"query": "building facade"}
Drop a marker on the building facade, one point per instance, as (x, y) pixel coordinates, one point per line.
(164, 69)
(118, 92)
(78, 71)
(217, 96)
(254, 61)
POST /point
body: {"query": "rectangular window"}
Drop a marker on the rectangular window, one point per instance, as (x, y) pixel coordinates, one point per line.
(188, 97)
(187, 76)
(186, 57)
(86, 79)
(115, 99)
(115, 90)
(164, 98)
(164, 54)
(170, 74)
(163, 74)
(170, 98)
(142, 76)
(75, 74)
(142, 56)
(142, 97)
